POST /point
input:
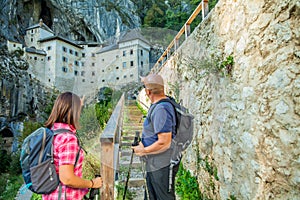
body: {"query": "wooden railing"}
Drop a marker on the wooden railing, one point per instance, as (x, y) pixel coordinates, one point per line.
(110, 140)
(186, 30)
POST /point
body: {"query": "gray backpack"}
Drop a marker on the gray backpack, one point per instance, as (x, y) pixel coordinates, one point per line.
(37, 161)
(184, 132)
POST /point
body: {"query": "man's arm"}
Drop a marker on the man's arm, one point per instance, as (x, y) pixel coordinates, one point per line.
(162, 144)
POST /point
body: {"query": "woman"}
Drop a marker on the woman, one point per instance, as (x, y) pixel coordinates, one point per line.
(65, 115)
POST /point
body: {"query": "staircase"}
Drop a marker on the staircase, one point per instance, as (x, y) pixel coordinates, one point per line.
(132, 122)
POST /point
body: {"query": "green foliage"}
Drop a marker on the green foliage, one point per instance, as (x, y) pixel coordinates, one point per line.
(91, 166)
(211, 168)
(226, 66)
(121, 190)
(89, 123)
(232, 197)
(10, 185)
(155, 16)
(18, 52)
(36, 196)
(14, 166)
(29, 127)
(144, 112)
(186, 185)
(103, 113)
(5, 160)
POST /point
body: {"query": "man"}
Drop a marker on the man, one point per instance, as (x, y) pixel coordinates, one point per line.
(158, 131)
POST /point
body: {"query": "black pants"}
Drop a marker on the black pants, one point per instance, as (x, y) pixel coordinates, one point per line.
(158, 184)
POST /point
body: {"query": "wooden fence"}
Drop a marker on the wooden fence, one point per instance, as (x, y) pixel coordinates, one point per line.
(110, 140)
(186, 30)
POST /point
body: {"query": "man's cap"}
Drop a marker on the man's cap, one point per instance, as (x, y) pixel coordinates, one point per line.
(152, 79)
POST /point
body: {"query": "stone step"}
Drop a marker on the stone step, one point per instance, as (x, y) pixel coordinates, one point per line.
(134, 182)
(128, 138)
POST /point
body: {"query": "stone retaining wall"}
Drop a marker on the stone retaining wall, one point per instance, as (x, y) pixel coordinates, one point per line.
(247, 124)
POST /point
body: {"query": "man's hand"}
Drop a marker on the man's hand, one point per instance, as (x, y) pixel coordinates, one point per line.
(139, 150)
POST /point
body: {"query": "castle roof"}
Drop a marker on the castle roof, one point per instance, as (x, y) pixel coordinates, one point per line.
(56, 37)
(35, 51)
(133, 34)
(108, 48)
(40, 25)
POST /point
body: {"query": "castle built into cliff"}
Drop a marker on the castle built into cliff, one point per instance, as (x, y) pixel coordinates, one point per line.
(83, 67)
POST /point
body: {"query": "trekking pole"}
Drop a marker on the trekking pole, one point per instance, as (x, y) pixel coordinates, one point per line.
(135, 143)
(94, 192)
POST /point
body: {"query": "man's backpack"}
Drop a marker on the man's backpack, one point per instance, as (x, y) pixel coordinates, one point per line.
(184, 133)
(184, 129)
(37, 161)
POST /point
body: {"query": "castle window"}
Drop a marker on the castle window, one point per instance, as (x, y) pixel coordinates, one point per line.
(142, 63)
(83, 55)
(93, 54)
(64, 49)
(117, 67)
(93, 73)
(49, 58)
(76, 73)
(76, 63)
(64, 69)
(14, 45)
(82, 73)
(83, 80)
(93, 64)
(102, 60)
(48, 48)
(125, 76)
(131, 75)
(76, 53)
(82, 64)
(131, 51)
(117, 78)
(102, 70)
(124, 65)
(64, 59)
(71, 51)
(31, 39)
(31, 30)
(131, 63)
(124, 53)
(103, 80)
(35, 58)
(142, 52)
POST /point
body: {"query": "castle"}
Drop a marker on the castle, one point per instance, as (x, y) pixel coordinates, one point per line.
(83, 67)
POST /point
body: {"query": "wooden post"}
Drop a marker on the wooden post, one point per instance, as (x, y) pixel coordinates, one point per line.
(109, 151)
(176, 44)
(107, 168)
(205, 8)
(187, 30)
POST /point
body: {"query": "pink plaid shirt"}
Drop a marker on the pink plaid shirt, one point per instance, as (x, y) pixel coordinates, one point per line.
(65, 151)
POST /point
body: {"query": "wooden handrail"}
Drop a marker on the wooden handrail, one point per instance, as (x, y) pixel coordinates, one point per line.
(202, 6)
(109, 140)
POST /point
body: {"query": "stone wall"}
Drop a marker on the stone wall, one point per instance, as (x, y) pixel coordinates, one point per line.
(247, 123)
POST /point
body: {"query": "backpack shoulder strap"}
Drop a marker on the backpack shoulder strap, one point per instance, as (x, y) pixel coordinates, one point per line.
(59, 131)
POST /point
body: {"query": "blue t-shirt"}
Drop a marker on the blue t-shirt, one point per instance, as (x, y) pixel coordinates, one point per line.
(162, 120)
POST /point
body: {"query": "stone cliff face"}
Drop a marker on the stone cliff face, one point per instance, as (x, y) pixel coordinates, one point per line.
(79, 20)
(20, 95)
(246, 125)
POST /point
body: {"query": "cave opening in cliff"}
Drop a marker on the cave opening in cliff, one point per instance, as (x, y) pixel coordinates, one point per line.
(46, 14)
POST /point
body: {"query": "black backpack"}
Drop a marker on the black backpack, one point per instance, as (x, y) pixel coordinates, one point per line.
(37, 161)
(184, 128)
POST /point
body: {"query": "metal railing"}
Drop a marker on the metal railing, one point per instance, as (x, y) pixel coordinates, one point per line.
(186, 30)
(110, 139)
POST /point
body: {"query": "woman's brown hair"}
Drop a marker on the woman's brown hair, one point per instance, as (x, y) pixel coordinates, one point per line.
(66, 109)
